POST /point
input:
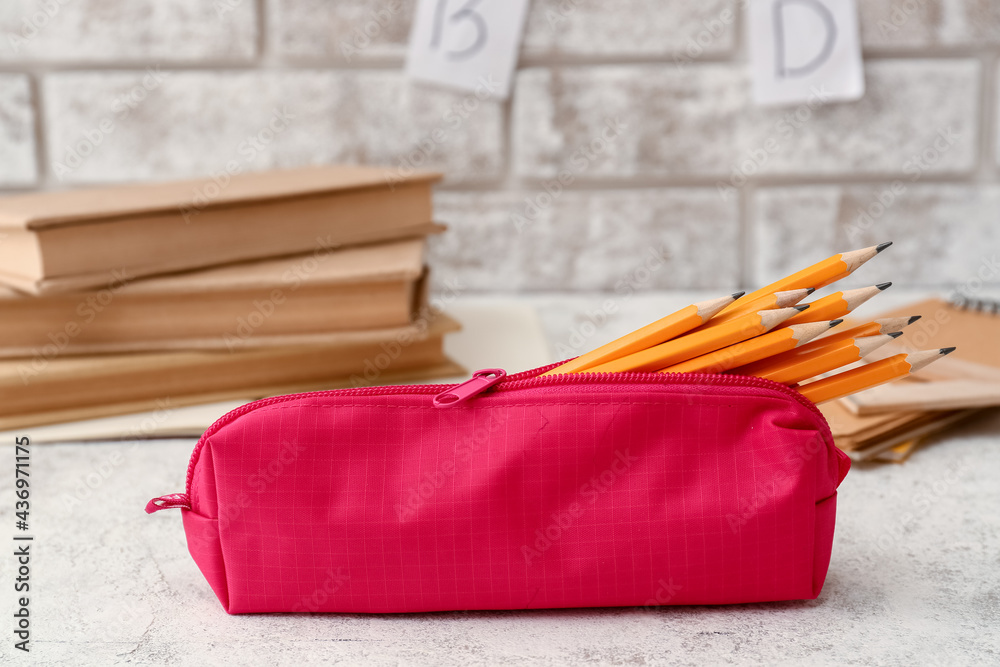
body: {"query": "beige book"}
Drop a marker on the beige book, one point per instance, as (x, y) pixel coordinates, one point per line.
(78, 239)
(158, 411)
(66, 383)
(270, 302)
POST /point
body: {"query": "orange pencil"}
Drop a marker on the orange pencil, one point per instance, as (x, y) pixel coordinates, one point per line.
(694, 344)
(837, 304)
(822, 360)
(760, 347)
(818, 275)
(775, 300)
(870, 375)
(875, 327)
(660, 331)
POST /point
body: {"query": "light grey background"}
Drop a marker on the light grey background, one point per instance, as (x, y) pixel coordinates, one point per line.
(216, 70)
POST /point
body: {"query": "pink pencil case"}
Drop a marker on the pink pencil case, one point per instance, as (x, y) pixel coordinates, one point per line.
(515, 492)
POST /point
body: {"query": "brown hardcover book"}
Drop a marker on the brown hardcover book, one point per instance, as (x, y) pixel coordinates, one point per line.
(74, 383)
(240, 306)
(79, 239)
(158, 406)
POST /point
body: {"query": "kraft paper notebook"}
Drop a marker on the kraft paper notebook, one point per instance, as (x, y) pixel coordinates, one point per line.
(869, 437)
(968, 378)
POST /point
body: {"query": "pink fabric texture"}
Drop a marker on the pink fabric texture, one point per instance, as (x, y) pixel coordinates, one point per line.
(620, 489)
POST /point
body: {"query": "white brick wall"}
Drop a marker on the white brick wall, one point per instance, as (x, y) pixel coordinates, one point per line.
(671, 178)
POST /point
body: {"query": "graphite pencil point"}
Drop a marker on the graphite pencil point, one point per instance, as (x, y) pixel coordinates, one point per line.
(882, 246)
(884, 286)
(804, 306)
(914, 319)
(895, 334)
(834, 323)
(946, 350)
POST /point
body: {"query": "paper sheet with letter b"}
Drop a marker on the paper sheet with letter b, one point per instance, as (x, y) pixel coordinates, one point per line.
(804, 49)
(467, 44)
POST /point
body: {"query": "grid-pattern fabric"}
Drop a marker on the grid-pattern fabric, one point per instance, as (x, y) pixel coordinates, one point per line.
(564, 496)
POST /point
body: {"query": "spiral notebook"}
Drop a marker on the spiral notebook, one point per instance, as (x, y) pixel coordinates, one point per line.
(968, 378)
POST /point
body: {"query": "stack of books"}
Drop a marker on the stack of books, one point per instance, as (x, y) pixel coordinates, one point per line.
(143, 297)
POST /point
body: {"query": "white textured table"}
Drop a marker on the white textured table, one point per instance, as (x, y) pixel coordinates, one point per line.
(915, 575)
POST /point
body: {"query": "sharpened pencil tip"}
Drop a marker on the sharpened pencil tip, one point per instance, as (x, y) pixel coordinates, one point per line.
(895, 334)
(882, 246)
(834, 323)
(914, 319)
(810, 290)
(883, 286)
(737, 295)
(804, 306)
(947, 350)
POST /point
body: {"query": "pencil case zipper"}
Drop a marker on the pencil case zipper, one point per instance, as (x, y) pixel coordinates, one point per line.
(496, 380)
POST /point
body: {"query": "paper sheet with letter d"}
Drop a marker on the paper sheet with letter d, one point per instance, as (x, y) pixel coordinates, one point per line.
(467, 44)
(804, 49)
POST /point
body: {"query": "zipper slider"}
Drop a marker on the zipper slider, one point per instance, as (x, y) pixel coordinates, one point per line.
(480, 382)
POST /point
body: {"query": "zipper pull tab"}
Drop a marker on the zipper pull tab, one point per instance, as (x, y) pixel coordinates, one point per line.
(168, 502)
(480, 382)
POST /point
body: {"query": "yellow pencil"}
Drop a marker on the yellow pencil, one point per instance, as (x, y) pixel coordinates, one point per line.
(837, 304)
(660, 331)
(881, 326)
(759, 347)
(784, 299)
(818, 275)
(694, 344)
(870, 375)
(822, 360)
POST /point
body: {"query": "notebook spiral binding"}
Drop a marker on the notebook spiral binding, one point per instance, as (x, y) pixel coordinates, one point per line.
(991, 306)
